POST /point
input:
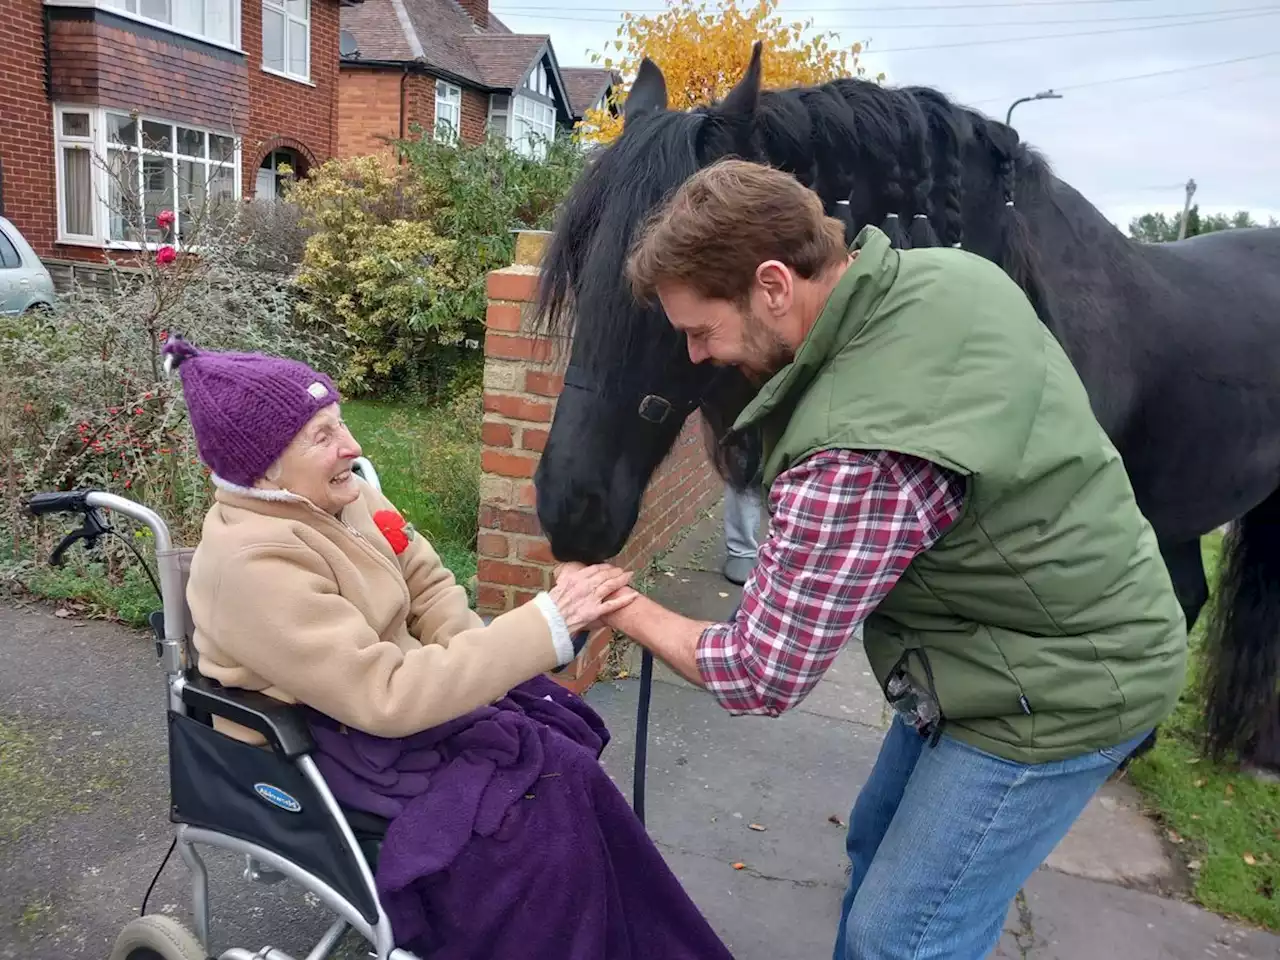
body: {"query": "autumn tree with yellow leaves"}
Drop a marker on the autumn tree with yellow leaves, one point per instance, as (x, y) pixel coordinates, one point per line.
(702, 54)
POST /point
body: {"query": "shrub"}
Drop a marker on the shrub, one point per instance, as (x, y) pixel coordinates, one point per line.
(84, 400)
(399, 254)
(376, 269)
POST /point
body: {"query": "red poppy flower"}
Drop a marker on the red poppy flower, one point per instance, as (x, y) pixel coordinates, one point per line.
(164, 219)
(166, 255)
(395, 529)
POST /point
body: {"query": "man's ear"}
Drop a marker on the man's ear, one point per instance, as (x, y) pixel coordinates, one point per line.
(776, 282)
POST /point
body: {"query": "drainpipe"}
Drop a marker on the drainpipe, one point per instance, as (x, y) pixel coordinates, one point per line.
(404, 77)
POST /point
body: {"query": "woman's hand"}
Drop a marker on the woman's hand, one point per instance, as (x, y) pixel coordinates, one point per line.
(584, 594)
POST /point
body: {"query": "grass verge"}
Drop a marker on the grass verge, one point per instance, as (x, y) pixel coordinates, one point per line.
(1225, 823)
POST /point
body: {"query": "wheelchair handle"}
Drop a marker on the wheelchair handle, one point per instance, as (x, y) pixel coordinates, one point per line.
(88, 502)
(58, 501)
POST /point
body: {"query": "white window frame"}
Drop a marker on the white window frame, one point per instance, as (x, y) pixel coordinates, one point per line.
(285, 9)
(120, 8)
(100, 177)
(531, 116)
(448, 96)
(501, 115)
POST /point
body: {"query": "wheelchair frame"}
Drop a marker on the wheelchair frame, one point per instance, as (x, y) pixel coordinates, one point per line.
(283, 725)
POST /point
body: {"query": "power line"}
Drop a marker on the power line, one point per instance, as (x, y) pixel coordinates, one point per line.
(1143, 76)
(1204, 86)
(1064, 36)
(963, 26)
(890, 8)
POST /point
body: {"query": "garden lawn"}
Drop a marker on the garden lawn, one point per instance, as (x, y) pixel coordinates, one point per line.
(1225, 824)
(428, 461)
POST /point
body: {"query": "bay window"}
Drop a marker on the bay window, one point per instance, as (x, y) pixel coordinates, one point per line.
(533, 125)
(117, 171)
(286, 38)
(214, 20)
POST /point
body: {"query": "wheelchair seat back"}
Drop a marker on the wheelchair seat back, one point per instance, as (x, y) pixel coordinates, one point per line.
(254, 794)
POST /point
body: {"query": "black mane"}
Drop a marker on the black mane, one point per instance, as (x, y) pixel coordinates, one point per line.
(926, 169)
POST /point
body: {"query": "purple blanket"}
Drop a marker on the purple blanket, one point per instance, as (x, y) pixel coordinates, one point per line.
(508, 841)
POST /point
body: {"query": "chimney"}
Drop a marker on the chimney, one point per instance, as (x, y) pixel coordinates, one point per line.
(478, 11)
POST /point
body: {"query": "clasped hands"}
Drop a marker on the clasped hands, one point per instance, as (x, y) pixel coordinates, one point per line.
(588, 596)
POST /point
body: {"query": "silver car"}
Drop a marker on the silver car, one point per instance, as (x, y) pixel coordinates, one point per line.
(24, 282)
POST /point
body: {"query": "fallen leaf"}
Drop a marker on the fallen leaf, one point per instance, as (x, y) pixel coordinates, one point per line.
(668, 573)
(758, 828)
(623, 674)
(739, 866)
(1193, 864)
(1249, 859)
(723, 594)
(62, 612)
(1175, 837)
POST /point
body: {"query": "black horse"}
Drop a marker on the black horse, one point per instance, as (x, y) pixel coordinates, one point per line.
(1178, 344)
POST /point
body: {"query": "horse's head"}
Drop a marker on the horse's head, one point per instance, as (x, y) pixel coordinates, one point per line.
(630, 384)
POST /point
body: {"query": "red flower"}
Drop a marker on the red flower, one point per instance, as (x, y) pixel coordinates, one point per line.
(164, 219)
(394, 528)
(166, 255)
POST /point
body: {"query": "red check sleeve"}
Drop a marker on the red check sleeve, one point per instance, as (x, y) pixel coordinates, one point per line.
(845, 525)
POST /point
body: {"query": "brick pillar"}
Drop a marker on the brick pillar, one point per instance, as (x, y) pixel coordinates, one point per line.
(521, 385)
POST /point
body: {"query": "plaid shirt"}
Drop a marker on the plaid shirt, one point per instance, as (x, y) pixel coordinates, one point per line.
(845, 525)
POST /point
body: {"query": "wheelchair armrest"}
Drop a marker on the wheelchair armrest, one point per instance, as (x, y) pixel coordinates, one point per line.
(281, 723)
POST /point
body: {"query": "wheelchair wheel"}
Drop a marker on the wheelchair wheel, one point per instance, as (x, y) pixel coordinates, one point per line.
(156, 937)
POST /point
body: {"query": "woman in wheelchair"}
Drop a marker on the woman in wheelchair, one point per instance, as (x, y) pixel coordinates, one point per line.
(506, 838)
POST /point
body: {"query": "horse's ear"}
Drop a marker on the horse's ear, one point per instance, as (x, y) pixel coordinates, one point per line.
(742, 99)
(649, 92)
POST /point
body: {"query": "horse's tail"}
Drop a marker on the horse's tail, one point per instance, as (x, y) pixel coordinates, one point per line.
(1242, 650)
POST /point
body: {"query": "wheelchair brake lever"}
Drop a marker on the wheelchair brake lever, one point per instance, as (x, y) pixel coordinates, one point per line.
(90, 532)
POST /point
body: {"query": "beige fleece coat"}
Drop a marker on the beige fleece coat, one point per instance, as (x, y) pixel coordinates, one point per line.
(308, 607)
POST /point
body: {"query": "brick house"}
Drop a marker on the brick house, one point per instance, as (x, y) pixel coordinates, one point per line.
(453, 68)
(189, 100)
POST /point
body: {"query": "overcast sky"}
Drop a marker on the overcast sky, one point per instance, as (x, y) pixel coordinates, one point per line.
(1127, 145)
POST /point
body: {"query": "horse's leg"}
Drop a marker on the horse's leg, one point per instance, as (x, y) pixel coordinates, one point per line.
(1242, 649)
(1186, 569)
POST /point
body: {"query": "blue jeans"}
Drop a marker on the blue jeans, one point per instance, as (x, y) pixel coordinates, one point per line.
(741, 521)
(941, 839)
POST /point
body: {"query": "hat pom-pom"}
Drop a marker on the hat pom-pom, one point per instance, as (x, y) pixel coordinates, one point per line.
(175, 352)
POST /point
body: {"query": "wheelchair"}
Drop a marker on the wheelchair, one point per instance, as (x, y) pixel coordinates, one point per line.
(271, 806)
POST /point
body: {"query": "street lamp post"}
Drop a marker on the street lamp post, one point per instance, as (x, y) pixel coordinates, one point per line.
(1042, 95)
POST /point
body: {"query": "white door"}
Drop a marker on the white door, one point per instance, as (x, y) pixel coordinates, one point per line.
(265, 189)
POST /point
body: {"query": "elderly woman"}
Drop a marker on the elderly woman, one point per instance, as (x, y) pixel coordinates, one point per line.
(308, 585)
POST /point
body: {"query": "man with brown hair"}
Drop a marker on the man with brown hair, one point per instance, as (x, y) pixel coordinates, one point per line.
(936, 477)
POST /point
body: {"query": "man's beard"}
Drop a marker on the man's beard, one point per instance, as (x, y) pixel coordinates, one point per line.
(767, 352)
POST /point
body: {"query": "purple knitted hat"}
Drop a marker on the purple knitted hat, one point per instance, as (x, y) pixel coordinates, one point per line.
(246, 408)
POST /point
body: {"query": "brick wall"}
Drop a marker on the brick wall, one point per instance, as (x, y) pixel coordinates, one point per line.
(520, 389)
(26, 124)
(101, 64)
(420, 105)
(475, 115)
(368, 110)
(284, 112)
